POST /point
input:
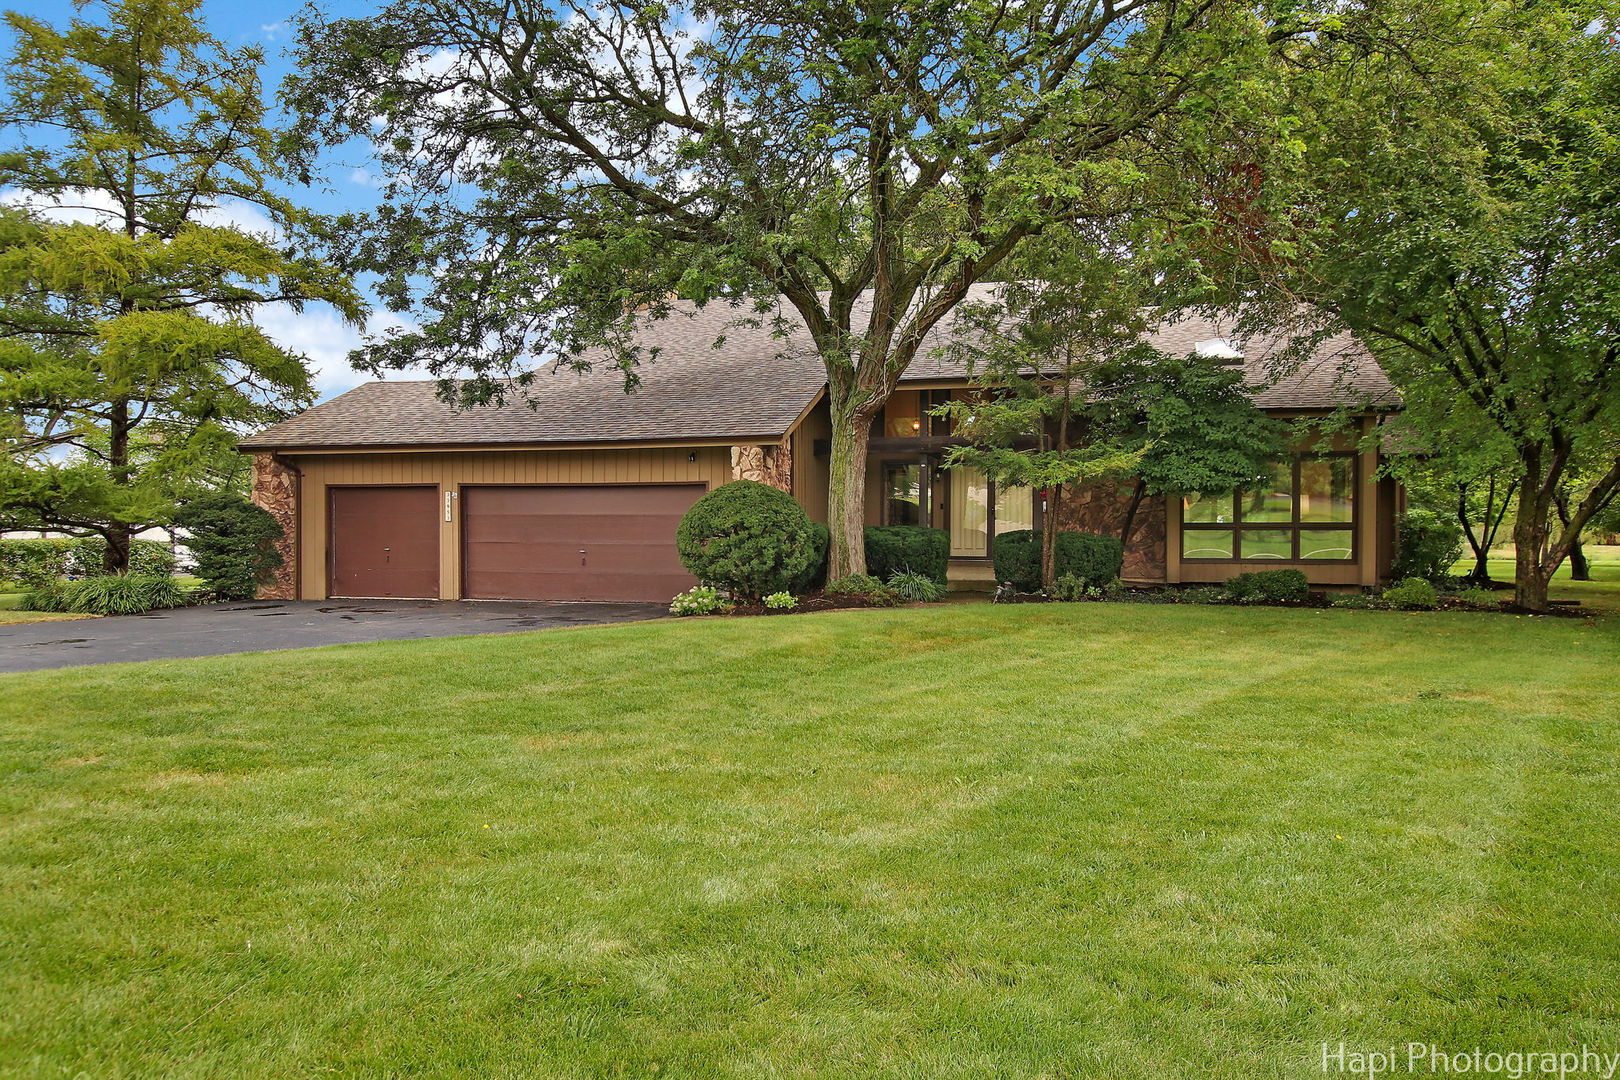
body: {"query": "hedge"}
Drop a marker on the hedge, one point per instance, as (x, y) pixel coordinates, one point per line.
(1094, 559)
(1268, 587)
(893, 549)
(34, 563)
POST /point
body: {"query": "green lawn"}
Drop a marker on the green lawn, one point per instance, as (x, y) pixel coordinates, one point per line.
(10, 614)
(1107, 841)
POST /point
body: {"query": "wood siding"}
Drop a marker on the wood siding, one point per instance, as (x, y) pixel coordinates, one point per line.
(448, 471)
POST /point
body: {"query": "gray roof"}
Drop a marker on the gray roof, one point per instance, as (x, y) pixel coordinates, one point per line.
(753, 387)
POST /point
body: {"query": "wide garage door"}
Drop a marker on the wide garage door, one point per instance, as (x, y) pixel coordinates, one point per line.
(574, 542)
(384, 541)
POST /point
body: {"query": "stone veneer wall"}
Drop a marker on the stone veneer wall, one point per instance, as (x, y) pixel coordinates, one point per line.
(275, 488)
(771, 465)
(1100, 508)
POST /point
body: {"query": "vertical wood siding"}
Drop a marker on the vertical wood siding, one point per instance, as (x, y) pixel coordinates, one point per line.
(449, 471)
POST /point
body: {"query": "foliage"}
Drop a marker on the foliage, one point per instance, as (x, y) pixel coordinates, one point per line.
(1095, 560)
(781, 601)
(1069, 588)
(891, 549)
(1426, 546)
(108, 594)
(129, 360)
(1413, 593)
(1474, 243)
(1268, 587)
(1358, 601)
(864, 586)
(749, 539)
(787, 159)
(817, 573)
(1201, 594)
(1479, 598)
(698, 600)
(233, 542)
(40, 562)
(918, 587)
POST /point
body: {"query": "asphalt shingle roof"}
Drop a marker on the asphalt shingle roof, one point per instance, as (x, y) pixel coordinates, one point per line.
(751, 388)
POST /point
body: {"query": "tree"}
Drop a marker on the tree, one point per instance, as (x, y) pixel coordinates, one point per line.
(1456, 202)
(1470, 480)
(558, 171)
(1062, 348)
(131, 363)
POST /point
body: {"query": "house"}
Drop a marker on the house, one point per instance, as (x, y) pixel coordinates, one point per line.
(386, 491)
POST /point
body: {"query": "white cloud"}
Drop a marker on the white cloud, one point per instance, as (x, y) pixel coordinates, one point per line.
(272, 31)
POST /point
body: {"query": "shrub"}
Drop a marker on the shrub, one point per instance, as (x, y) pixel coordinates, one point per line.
(698, 600)
(108, 594)
(781, 601)
(1268, 587)
(893, 549)
(1094, 559)
(233, 542)
(1068, 589)
(1479, 598)
(39, 562)
(865, 586)
(1202, 594)
(813, 578)
(1426, 546)
(1361, 601)
(914, 586)
(747, 538)
(1412, 594)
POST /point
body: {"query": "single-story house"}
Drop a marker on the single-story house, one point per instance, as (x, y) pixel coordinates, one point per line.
(386, 491)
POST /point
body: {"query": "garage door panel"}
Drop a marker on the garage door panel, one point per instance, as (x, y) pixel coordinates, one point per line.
(578, 542)
(384, 542)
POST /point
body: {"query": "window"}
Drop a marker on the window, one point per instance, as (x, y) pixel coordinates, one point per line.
(980, 509)
(903, 495)
(1303, 509)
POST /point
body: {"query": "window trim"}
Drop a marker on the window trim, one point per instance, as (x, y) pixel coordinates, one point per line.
(1294, 527)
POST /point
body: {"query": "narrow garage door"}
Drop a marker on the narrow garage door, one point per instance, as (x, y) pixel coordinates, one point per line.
(384, 542)
(575, 542)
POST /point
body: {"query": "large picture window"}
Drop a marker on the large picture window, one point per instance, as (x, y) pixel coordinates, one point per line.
(1303, 510)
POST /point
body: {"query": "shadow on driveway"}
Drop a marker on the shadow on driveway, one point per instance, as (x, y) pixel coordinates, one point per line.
(259, 625)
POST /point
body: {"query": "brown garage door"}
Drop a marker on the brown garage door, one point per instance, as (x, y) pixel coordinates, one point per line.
(575, 542)
(384, 541)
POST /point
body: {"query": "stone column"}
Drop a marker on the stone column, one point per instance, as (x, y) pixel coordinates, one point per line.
(275, 488)
(772, 465)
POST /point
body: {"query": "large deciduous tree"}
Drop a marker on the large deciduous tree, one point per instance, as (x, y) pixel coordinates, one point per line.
(1456, 202)
(130, 358)
(556, 171)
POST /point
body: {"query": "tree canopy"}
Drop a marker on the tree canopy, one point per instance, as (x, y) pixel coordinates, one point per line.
(130, 358)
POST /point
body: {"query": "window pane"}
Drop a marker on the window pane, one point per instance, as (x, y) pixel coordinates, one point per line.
(1206, 544)
(903, 414)
(902, 492)
(1325, 543)
(970, 513)
(1214, 509)
(1327, 489)
(1273, 499)
(1015, 509)
(1268, 544)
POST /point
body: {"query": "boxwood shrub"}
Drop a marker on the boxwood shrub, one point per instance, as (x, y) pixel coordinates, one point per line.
(749, 539)
(1095, 560)
(1268, 587)
(907, 549)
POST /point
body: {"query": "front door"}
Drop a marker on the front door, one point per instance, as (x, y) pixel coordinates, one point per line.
(978, 510)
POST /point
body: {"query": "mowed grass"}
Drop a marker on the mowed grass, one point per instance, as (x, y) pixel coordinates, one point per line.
(1105, 841)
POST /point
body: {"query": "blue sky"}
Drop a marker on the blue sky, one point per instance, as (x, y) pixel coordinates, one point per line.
(345, 185)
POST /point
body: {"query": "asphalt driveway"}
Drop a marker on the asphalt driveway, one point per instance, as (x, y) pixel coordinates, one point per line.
(259, 625)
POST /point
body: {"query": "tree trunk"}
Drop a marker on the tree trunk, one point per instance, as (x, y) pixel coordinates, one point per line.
(846, 495)
(1530, 535)
(1130, 514)
(1481, 573)
(115, 560)
(1049, 532)
(1580, 569)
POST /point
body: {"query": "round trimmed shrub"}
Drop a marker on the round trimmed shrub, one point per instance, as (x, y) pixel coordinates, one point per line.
(1094, 560)
(907, 549)
(749, 539)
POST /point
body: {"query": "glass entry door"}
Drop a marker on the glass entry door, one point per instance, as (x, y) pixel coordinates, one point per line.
(978, 511)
